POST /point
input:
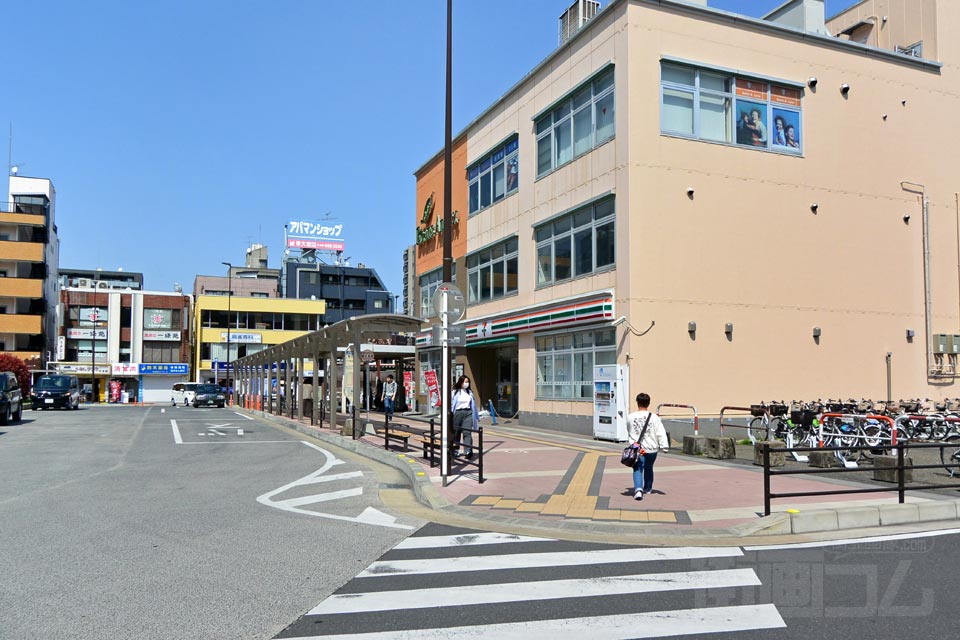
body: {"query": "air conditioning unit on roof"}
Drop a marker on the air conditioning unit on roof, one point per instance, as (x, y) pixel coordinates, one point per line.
(103, 285)
(83, 283)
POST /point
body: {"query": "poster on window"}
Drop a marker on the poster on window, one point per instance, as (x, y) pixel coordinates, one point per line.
(409, 389)
(433, 388)
(751, 123)
(785, 135)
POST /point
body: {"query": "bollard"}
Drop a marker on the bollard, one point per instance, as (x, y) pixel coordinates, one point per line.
(493, 414)
(480, 460)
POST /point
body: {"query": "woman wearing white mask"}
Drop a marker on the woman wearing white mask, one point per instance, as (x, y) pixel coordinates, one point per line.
(465, 415)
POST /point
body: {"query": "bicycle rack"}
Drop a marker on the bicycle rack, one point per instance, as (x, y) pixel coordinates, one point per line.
(696, 415)
(849, 464)
(749, 416)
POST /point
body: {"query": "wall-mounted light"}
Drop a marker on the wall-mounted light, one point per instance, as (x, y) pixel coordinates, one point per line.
(903, 102)
(690, 192)
(728, 328)
(816, 332)
(691, 327)
(910, 334)
(906, 218)
(814, 207)
(844, 88)
(884, 116)
(812, 82)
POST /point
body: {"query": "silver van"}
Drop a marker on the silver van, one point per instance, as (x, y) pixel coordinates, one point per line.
(183, 393)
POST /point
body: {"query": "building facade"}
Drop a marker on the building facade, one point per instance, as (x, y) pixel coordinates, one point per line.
(29, 263)
(737, 209)
(248, 325)
(134, 341)
(100, 279)
(409, 280)
(346, 291)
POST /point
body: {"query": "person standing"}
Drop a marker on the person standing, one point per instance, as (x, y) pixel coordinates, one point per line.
(646, 432)
(465, 415)
(389, 396)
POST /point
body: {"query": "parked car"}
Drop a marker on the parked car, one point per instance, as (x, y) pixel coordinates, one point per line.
(209, 395)
(183, 393)
(56, 392)
(11, 402)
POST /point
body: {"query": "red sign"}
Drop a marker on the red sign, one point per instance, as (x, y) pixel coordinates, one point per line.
(752, 89)
(408, 384)
(785, 95)
(433, 387)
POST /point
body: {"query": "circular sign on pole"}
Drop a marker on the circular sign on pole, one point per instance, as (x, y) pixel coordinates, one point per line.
(366, 355)
(449, 301)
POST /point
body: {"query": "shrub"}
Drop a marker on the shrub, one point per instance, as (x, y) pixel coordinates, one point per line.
(19, 368)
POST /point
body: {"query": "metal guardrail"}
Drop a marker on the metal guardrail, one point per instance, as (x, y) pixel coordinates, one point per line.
(748, 411)
(696, 415)
(902, 487)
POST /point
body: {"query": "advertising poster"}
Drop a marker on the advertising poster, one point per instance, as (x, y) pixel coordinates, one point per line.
(751, 123)
(785, 135)
(409, 389)
(304, 234)
(347, 384)
(433, 388)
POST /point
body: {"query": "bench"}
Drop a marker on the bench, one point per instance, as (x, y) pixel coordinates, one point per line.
(399, 436)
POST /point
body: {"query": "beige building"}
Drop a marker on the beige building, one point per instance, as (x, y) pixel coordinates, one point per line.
(770, 203)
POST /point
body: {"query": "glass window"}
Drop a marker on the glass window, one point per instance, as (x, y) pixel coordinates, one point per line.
(494, 176)
(560, 137)
(577, 244)
(492, 273)
(565, 363)
(715, 117)
(678, 75)
(677, 111)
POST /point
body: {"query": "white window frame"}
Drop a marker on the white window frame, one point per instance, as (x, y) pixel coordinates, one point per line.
(473, 272)
(502, 157)
(594, 224)
(575, 384)
(566, 106)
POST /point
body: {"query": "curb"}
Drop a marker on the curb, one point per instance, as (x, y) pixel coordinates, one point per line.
(796, 527)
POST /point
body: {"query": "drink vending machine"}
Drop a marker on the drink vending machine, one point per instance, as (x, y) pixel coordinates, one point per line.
(611, 401)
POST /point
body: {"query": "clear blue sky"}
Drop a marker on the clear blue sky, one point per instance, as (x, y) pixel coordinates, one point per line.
(177, 133)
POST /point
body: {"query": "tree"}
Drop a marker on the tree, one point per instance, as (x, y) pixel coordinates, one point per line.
(19, 368)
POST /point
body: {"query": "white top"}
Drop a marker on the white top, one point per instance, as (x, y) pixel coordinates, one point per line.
(461, 399)
(656, 436)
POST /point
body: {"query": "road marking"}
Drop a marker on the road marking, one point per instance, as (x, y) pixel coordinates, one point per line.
(163, 410)
(242, 416)
(219, 433)
(218, 443)
(553, 559)
(239, 432)
(848, 541)
(368, 516)
(650, 624)
(464, 540)
(542, 590)
(176, 432)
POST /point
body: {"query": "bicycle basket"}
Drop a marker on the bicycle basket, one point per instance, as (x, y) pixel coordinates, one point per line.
(778, 409)
(803, 417)
(758, 410)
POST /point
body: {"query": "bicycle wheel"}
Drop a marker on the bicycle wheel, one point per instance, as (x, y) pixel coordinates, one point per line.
(950, 455)
(758, 429)
(874, 437)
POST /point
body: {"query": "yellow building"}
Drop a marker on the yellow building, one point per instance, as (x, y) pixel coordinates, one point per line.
(250, 325)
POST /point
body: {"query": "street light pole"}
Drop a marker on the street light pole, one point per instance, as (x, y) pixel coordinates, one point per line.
(229, 320)
(445, 390)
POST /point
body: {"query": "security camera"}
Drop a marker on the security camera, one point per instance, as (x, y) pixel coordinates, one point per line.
(906, 218)
(844, 88)
(619, 321)
(812, 82)
(690, 192)
(814, 207)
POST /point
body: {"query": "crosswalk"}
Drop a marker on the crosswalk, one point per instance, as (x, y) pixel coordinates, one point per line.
(444, 582)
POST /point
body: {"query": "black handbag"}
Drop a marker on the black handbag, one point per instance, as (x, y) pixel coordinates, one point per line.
(630, 454)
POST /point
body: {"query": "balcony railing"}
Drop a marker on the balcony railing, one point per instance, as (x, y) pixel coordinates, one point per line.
(23, 207)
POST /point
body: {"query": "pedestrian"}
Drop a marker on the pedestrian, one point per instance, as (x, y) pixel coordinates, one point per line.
(647, 433)
(389, 396)
(465, 416)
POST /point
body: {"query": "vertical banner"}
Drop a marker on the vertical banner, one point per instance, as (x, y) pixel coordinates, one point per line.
(433, 388)
(347, 385)
(410, 390)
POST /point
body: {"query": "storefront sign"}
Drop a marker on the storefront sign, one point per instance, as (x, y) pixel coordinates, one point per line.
(302, 234)
(87, 334)
(408, 386)
(429, 231)
(168, 336)
(61, 348)
(125, 369)
(242, 338)
(102, 369)
(174, 369)
(752, 89)
(158, 318)
(433, 388)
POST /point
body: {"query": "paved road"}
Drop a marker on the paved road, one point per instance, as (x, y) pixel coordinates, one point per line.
(455, 583)
(110, 527)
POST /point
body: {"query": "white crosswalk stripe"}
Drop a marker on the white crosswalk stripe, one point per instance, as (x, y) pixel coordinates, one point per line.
(470, 584)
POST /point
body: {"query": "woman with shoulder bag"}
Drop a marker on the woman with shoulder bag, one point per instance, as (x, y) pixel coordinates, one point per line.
(465, 416)
(647, 433)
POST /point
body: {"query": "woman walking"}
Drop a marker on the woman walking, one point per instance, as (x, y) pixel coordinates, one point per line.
(646, 432)
(465, 416)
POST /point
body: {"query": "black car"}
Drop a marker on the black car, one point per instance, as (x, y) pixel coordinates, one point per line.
(56, 392)
(11, 402)
(209, 395)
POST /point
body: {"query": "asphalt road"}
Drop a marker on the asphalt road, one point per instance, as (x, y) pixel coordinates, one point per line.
(111, 528)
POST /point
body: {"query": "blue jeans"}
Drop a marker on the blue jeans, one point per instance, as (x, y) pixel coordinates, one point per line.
(643, 472)
(388, 406)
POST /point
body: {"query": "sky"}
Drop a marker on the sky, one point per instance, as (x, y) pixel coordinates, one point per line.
(178, 133)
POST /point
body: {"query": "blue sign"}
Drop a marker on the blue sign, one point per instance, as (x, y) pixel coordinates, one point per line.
(164, 369)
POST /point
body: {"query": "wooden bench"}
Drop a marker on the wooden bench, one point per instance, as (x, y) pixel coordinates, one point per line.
(399, 436)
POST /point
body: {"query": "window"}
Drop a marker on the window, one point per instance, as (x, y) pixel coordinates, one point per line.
(494, 177)
(492, 273)
(379, 304)
(428, 286)
(156, 351)
(578, 124)
(710, 105)
(565, 362)
(576, 244)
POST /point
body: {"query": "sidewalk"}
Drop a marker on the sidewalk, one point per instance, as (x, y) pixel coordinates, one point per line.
(544, 479)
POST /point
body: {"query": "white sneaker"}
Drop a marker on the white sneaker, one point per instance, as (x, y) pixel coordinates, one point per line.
(638, 494)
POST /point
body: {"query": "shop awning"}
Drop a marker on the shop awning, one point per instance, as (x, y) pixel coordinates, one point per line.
(492, 341)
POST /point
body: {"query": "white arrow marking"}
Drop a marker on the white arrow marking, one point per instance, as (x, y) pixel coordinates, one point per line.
(369, 515)
(219, 433)
(242, 416)
(218, 426)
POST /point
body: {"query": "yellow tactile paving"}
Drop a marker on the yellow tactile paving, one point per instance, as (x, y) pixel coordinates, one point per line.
(557, 505)
(633, 516)
(486, 501)
(606, 514)
(531, 507)
(582, 507)
(508, 504)
(661, 516)
(580, 484)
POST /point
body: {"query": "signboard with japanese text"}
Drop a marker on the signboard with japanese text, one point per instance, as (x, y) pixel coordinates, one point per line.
(168, 336)
(125, 369)
(243, 338)
(92, 315)
(61, 347)
(303, 234)
(158, 318)
(433, 388)
(173, 369)
(102, 369)
(409, 389)
(87, 334)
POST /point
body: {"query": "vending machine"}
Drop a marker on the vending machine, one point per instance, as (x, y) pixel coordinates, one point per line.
(611, 401)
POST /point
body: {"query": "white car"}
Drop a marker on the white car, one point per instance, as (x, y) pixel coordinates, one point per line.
(183, 393)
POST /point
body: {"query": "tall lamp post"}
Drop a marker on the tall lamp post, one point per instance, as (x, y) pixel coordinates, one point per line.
(94, 320)
(229, 320)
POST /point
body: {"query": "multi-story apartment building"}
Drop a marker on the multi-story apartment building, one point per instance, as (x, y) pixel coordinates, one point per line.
(347, 291)
(29, 260)
(140, 339)
(769, 204)
(100, 279)
(409, 280)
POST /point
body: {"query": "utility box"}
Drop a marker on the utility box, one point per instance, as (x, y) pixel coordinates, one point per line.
(940, 341)
(954, 346)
